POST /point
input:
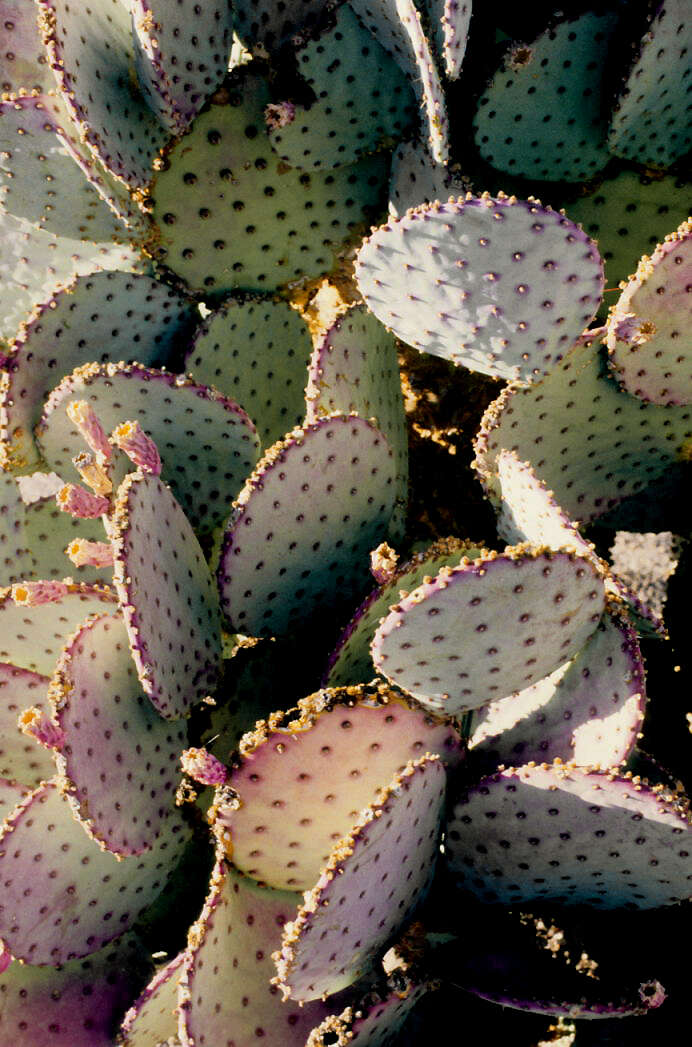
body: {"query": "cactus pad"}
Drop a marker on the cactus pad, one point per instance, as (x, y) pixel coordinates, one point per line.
(99, 705)
(10, 795)
(373, 1021)
(646, 329)
(167, 595)
(344, 745)
(23, 63)
(264, 25)
(229, 214)
(416, 179)
(305, 523)
(505, 285)
(152, 1017)
(547, 96)
(573, 836)
(207, 442)
(450, 643)
(21, 759)
(47, 534)
(256, 352)
(56, 909)
(352, 911)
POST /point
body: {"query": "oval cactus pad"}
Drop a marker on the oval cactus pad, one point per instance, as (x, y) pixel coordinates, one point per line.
(486, 629)
(373, 1021)
(502, 286)
(21, 759)
(167, 595)
(646, 329)
(57, 908)
(207, 442)
(227, 996)
(301, 786)
(23, 63)
(305, 523)
(373, 881)
(573, 836)
(152, 1017)
(116, 745)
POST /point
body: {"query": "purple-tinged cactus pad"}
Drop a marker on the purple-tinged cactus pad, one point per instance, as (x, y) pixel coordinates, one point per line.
(119, 760)
(455, 17)
(306, 520)
(374, 880)
(207, 443)
(182, 50)
(15, 557)
(652, 124)
(229, 214)
(32, 637)
(257, 352)
(416, 179)
(541, 115)
(351, 661)
(302, 784)
(21, 759)
(92, 53)
(361, 101)
(152, 1017)
(47, 533)
(502, 286)
(167, 596)
(604, 444)
(488, 628)
(647, 328)
(104, 316)
(63, 897)
(227, 998)
(10, 795)
(74, 1005)
(23, 63)
(573, 836)
(398, 27)
(373, 1021)
(588, 711)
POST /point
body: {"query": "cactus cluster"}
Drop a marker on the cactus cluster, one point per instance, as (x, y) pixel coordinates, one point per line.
(282, 759)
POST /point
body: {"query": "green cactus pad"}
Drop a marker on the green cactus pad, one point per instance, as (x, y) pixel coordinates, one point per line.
(21, 759)
(33, 263)
(57, 190)
(10, 795)
(257, 352)
(116, 746)
(15, 558)
(351, 660)
(301, 782)
(646, 329)
(297, 545)
(362, 99)
(207, 443)
(32, 637)
(83, 322)
(547, 96)
(47, 533)
(55, 908)
(651, 124)
(230, 214)
(182, 51)
(416, 179)
(92, 53)
(572, 836)
(76, 1004)
(450, 644)
(226, 982)
(352, 911)
(373, 1021)
(23, 63)
(264, 25)
(167, 596)
(630, 443)
(502, 286)
(398, 27)
(152, 1017)
(588, 711)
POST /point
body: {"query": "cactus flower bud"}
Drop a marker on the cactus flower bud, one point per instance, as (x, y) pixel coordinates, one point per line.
(634, 330)
(279, 114)
(33, 594)
(39, 726)
(92, 473)
(84, 417)
(84, 553)
(383, 561)
(81, 503)
(139, 448)
(203, 767)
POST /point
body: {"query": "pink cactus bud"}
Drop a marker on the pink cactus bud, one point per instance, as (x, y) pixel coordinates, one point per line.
(139, 448)
(203, 767)
(33, 594)
(633, 330)
(5, 957)
(84, 417)
(84, 553)
(81, 503)
(92, 473)
(383, 561)
(39, 726)
(279, 114)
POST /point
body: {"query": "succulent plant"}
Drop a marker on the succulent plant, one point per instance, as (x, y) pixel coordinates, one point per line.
(281, 759)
